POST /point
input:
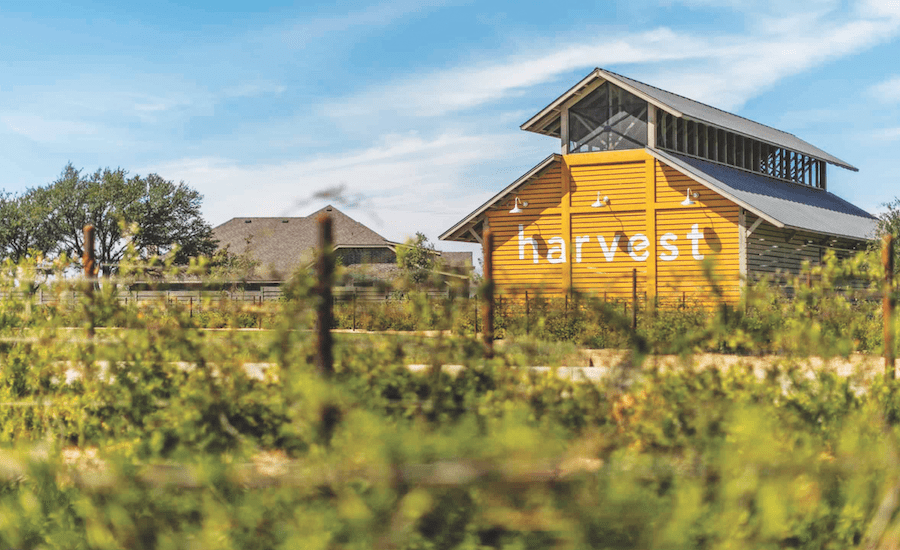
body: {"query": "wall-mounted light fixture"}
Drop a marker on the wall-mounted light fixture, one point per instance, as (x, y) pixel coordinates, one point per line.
(516, 209)
(600, 203)
(687, 200)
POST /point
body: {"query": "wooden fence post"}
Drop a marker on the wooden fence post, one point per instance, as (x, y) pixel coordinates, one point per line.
(324, 312)
(527, 314)
(888, 302)
(634, 299)
(488, 307)
(89, 261)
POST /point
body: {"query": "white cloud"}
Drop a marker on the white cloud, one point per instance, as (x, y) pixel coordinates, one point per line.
(881, 8)
(887, 90)
(740, 68)
(376, 15)
(723, 70)
(442, 92)
(887, 134)
(48, 130)
(415, 184)
(254, 89)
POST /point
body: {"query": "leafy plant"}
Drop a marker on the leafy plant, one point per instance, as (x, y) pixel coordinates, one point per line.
(158, 433)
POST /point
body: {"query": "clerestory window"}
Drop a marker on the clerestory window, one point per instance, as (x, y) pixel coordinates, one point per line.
(608, 119)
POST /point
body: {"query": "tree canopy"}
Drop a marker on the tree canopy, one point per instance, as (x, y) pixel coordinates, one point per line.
(416, 258)
(889, 222)
(155, 215)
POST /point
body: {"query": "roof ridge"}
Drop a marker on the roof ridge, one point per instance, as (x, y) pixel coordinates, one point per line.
(626, 78)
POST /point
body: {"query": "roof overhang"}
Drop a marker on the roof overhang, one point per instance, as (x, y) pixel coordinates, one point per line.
(386, 244)
(819, 219)
(463, 226)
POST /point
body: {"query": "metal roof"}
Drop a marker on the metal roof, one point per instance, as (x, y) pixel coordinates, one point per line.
(469, 221)
(781, 203)
(679, 106)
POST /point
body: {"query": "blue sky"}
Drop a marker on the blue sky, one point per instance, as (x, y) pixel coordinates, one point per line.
(415, 106)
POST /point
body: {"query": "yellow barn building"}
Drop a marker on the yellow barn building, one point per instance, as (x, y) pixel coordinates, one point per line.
(650, 180)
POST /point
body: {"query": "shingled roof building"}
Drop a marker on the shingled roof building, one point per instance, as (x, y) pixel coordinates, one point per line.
(282, 245)
(653, 181)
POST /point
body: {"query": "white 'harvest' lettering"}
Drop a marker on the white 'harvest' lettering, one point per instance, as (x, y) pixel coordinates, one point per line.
(637, 243)
(672, 249)
(637, 246)
(523, 241)
(609, 252)
(561, 250)
(695, 237)
(578, 242)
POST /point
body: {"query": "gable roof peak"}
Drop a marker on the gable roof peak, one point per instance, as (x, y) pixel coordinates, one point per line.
(547, 121)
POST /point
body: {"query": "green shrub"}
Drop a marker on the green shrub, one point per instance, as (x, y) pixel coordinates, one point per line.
(156, 433)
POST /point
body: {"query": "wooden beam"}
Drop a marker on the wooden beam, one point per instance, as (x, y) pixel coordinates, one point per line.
(754, 226)
(566, 221)
(704, 143)
(476, 235)
(650, 225)
(742, 245)
(651, 125)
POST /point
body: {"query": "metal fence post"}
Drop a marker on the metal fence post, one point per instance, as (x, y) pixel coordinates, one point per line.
(324, 312)
(488, 306)
(888, 302)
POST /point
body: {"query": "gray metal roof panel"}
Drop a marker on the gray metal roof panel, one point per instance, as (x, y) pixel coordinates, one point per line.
(724, 119)
(791, 204)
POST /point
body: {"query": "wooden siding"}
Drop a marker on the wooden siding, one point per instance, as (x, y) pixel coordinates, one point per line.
(644, 205)
(780, 252)
(672, 186)
(622, 182)
(607, 272)
(718, 222)
(684, 276)
(514, 267)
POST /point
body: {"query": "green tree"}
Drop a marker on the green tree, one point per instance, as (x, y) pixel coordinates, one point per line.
(155, 215)
(226, 264)
(416, 259)
(889, 222)
(169, 217)
(25, 227)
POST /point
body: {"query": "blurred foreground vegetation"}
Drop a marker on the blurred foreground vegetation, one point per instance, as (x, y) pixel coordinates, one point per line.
(156, 433)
